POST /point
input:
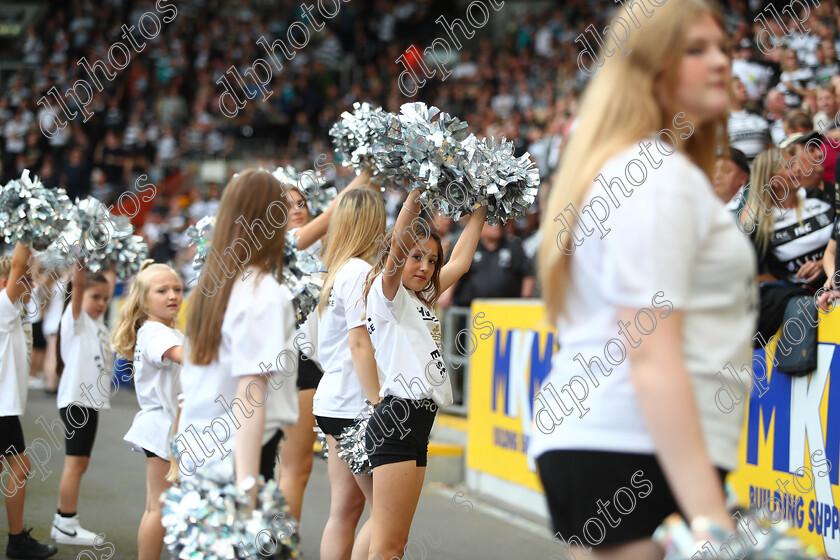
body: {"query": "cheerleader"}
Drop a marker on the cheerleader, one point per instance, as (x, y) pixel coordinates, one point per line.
(238, 376)
(296, 451)
(345, 352)
(85, 369)
(400, 292)
(674, 271)
(145, 334)
(15, 338)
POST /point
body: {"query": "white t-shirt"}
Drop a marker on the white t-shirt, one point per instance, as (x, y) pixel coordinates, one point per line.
(15, 349)
(257, 337)
(672, 244)
(155, 382)
(339, 393)
(406, 338)
(88, 362)
(53, 310)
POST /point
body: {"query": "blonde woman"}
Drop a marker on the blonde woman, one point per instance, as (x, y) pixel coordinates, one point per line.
(346, 355)
(790, 231)
(673, 273)
(146, 334)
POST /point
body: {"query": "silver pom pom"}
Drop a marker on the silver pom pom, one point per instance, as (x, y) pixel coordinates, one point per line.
(310, 184)
(301, 275)
(507, 185)
(321, 440)
(206, 517)
(676, 538)
(200, 235)
(351, 444)
(31, 213)
(358, 139)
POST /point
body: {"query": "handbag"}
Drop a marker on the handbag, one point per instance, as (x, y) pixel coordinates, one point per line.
(801, 356)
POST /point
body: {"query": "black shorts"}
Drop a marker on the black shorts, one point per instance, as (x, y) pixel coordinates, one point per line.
(268, 456)
(399, 431)
(82, 423)
(333, 426)
(309, 374)
(151, 454)
(629, 489)
(11, 436)
(38, 340)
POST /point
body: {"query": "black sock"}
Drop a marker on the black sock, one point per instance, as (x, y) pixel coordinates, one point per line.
(14, 539)
(66, 514)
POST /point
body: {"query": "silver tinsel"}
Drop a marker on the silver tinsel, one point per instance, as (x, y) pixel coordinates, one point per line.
(301, 275)
(676, 538)
(351, 444)
(321, 437)
(310, 184)
(359, 135)
(99, 237)
(200, 235)
(507, 185)
(206, 518)
(32, 213)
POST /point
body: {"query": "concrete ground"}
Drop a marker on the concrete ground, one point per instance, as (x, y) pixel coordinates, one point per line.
(448, 525)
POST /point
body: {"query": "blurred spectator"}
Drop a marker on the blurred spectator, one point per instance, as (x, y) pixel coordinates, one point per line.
(748, 132)
(730, 178)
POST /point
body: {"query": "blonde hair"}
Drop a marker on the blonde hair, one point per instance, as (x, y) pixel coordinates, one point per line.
(249, 198)
(5, 267)
(760, 219)
(620, 107)
(357, 224)
(134, 311)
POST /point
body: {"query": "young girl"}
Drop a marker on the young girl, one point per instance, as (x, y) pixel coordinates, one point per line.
(238, 389)
(15, 339)
(400, 293)
(296, 451)
(345, 352)
(85, 371)
(672, 246)
(146, 334)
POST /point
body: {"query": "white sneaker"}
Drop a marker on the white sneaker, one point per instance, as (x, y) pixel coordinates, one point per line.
(66, 530)
(37, 383)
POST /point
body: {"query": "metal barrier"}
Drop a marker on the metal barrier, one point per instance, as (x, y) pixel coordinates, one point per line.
(452, 355)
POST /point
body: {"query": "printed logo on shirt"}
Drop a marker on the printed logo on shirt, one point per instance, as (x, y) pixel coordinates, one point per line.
(331, 300)
(27, 333)
(370, 327)
(101, 358)
(478, 257)
(504, 257)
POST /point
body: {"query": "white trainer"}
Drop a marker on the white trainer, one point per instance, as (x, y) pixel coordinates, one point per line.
(67, 530)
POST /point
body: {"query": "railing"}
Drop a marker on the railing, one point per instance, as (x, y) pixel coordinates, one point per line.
(450, 326)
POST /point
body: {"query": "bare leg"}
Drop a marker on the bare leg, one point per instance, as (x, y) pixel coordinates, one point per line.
(151, 532)
(71, 479)
(642, 549)
(396, 491)
(347, 502)
(15, 490)
(37, 362)
(296, 454)
(50, 363)
(362, 544)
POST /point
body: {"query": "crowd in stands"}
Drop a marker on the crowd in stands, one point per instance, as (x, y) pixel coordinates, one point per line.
(517, 77)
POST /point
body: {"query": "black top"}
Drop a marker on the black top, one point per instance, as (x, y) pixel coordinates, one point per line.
(495, 274)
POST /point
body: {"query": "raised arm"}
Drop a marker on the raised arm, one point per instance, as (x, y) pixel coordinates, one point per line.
(15, 285)
(78, 294)
(462, 255)
(315, 230)
(402, 241)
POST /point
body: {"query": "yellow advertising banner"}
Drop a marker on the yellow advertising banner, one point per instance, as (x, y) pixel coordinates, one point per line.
(789, 456)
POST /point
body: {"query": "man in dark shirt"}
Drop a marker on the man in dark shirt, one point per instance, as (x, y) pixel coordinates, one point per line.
(500, 269)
